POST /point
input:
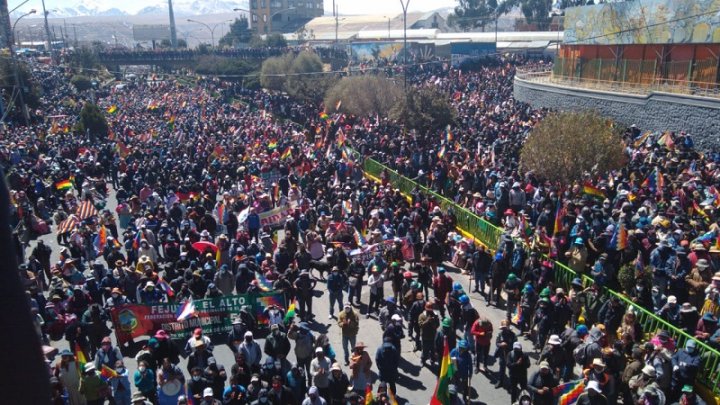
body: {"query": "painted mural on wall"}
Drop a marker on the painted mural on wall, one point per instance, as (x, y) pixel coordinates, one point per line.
(644, 22)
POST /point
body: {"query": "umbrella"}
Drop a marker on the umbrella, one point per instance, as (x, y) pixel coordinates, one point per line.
(204, 245)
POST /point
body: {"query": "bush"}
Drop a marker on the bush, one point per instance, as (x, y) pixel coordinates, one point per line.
(566, 146)
(364, 95)
(216, 65)
(273, 71)
(424, 109)
(92, 121)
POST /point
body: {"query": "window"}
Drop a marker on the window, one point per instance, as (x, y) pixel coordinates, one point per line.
(262, 3)
(253, 4)
(254, 18)
(275, 4)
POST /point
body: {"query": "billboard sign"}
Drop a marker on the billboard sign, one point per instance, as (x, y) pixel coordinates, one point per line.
(153, 32)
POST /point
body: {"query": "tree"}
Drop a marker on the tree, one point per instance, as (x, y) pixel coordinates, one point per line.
(367, 95)
(30, 88)
(217, 65)
(537, 12)
(92, 121)
(424, 109)
(273, 72)
(565, 146)
(471, 14)
(81, 82)
(239, 33)
(276, 40)
(306, 79)
(84, 57)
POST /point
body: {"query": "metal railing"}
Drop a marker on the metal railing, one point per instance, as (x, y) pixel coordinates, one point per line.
(693, 88)
(489, 235)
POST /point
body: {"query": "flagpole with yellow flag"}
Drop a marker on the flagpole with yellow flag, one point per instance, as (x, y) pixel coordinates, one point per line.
(442, 395)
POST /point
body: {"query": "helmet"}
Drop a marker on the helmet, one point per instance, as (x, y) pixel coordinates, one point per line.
(462, 343)
(464, 299)
(457, 286)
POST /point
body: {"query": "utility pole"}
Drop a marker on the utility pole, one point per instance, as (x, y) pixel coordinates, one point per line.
(173, 30)
(47, 33)
(405, 4)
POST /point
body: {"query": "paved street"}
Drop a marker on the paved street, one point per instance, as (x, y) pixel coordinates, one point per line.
(415, 385)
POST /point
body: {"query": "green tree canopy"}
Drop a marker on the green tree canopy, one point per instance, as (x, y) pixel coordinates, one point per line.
(81, 82)
(366, 95)
(273, 71)
(300, 76)
(565, 146)
(239, 33)
(472, 14)
(424, 109)
(92, 121)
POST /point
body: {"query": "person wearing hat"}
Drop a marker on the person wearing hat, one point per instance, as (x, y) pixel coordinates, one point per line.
(606, 380)
(428, 323)
(706, 327)
(387, 359)
(92, 386)
(670, 312)
(592, 395)
(517, 365)
(689, 397)
(360, 368)
(541, 384)
(645, 382)
(192, 341)
(481, 331)
(686, 364)
(338, 384)
(251, 350)
(201, 356)
(144, 380)
(577, 256)
(688, 318)
(336, 283)
(305, 289)
(554, 354)
(107, 355)
(349, 323)
(698, 280)
(277, 343)
(320, 371)
(462, 360)
(208, 398)
(66, 370)
(314, 397)
(504, 342)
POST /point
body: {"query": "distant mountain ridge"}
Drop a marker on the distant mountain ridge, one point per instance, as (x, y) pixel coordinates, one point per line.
(92, 8)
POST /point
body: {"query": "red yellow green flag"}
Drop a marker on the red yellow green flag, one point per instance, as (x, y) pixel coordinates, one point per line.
(80, 358)
(441, 395)
(368, 395)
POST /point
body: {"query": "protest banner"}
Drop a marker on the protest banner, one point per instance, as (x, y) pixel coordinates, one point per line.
(212, 315)
(268, 178)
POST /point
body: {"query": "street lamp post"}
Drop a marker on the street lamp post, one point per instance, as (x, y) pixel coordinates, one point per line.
(269, 21)
(405, 4)
(26, 115)
(249, 16)
(211, 29)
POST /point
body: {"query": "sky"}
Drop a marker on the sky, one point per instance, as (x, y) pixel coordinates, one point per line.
(344, 6)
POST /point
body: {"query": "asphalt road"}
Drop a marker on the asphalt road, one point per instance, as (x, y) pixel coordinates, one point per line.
(415, 385)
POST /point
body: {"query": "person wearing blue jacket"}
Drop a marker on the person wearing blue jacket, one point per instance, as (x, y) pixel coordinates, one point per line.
(685, 363)
(387, 359)
(462, 359)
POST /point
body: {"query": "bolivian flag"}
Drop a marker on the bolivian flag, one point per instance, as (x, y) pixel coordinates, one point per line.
(287, 154)
(112, 109)
(63, 185)
(593, 191)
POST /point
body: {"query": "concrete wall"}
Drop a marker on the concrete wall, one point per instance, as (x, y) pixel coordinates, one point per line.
(698, 116)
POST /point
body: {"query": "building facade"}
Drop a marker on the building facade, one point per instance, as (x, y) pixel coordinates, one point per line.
(269, 16)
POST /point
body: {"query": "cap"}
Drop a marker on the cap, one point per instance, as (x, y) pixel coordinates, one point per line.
(336, 366)
(554, 340)
(89, 367)
(313, 390)
(598, 362)
(207, 392)
(197, 332)
(687, 388)
(396, 317)
(672, 299)
(319, 350)
(517, 345)
(248, 334)
(544, 365)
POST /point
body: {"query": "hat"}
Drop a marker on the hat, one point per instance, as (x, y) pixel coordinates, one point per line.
(360, 345)
(65, 352)
(708, 317)
(396, 317)
(115, 291)
(452, 389)
(138, 396)
(161, 335)
(554, 340)
(598, 362)
(319, 350)
(691, 344)
(446, 322)
(106, 339)
(197, 332)
(463, 344)
(207, 392)
(429, 306)
(649, 371)
(517, 345)
(544, 365)
(254, 378)
(687, 307)
(672, 299)
(152, 342)
(336, 366)
(89, 367)
(441, 269)
(390, 300)
(702, 263)
(248, 334)
(687, 388)
(593, 385)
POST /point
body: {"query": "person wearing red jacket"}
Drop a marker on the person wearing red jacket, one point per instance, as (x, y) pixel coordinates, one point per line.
(482, 331)
(442, 284)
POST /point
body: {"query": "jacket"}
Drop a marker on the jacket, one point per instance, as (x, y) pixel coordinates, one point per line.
(349, 323)
(482, 331)
(429, 324)
(93, 387)
(387, 359)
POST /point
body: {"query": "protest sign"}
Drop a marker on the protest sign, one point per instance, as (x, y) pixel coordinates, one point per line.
(212, 315)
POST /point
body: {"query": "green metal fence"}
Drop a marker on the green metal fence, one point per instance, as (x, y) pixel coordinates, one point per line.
(489, 235)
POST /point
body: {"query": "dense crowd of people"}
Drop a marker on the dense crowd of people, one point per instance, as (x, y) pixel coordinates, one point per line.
(183, 167)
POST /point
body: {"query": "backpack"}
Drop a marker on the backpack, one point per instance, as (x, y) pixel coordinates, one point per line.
(580, 354)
